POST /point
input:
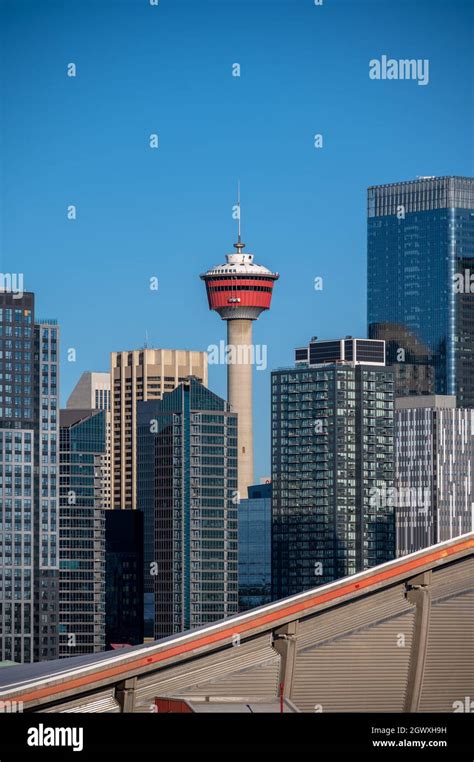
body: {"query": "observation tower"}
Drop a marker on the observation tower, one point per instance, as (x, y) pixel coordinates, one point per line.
(239, 291)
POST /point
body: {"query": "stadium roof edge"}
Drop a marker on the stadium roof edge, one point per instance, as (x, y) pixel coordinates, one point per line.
(45, 682)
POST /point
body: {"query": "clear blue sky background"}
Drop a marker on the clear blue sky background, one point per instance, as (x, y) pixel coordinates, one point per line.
(167, 212)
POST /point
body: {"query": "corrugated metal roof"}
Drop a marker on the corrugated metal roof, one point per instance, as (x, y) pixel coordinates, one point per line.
(360, 671)
(452, 579)
(449, 669)
(104, 701)
(354, 616)
(248, 669)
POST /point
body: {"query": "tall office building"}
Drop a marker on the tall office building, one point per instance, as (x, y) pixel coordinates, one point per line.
(187, 479)
(434, 470)
(255, 547)
(144, 374)
(421, 283)
(29, 432)
(332, 444)
(123, 578)
(92, 392)
(81, 532)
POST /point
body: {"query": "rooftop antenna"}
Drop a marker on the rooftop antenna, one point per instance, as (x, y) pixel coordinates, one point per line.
(146, 340)
(239, 245)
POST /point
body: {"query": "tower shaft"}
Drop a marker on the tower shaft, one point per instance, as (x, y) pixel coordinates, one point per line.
(239, 389)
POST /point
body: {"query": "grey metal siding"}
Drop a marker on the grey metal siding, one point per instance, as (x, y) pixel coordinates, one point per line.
(251, 668)
(344, 673)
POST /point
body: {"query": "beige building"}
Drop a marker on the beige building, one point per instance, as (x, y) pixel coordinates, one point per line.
(92, 392)
(141, 374)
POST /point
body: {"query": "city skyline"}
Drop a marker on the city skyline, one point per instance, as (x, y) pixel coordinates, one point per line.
(168, 213)
(261, 471)
(205, 509)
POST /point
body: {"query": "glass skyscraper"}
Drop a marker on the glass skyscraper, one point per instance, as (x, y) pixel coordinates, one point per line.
(255, 547)
(420, 297)
(332, 445)
(81, 532)
(187, 480)
(29, 432)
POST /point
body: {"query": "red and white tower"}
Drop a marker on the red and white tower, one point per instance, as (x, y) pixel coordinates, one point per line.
(239, 291)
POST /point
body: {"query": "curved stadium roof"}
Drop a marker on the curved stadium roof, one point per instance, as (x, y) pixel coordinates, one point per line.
(398, 637)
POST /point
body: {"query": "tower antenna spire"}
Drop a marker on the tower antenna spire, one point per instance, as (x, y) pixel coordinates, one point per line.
(239, 245)
(238, 203)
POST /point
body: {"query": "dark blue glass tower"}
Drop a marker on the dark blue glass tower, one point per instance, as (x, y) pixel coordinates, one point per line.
(420, 297)
(255, 547)
(123, 578)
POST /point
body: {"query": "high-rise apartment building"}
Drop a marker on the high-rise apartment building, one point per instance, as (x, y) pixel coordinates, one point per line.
(255, 547)
(92, 392)
(421, 283)
(434, 469)
(187, 480)
(332, 443)
(81, 532)
(140, 375)
(29, 433)
(47, 491)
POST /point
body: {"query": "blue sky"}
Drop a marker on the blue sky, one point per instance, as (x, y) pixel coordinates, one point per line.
(168, 212)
